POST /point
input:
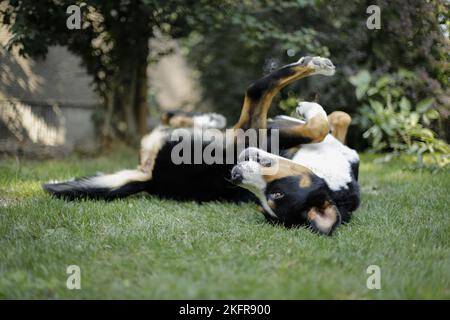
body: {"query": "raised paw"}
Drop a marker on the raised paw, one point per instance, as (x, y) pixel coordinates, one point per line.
(308, 110)
(321, 65)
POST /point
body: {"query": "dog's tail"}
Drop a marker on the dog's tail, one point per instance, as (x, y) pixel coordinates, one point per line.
(110, 186)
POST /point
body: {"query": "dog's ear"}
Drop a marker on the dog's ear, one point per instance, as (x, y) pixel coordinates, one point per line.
(325, 218)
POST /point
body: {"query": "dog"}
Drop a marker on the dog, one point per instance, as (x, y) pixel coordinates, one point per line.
(189, 119)
(312, 180)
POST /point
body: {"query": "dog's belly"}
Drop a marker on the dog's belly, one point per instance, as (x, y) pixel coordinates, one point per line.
(330, 160)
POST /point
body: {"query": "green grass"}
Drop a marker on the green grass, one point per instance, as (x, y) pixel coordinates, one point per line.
(144, 247)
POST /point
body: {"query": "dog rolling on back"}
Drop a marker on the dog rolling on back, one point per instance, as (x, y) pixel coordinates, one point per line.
(315, 183)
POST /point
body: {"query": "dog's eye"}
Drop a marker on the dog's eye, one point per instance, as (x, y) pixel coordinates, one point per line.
(276, 195)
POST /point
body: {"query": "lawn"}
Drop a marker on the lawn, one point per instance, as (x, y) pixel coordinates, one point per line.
(144, 247)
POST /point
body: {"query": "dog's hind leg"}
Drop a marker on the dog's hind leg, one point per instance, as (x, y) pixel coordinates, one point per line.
(259, 95)
(313, 130)
(339, 123)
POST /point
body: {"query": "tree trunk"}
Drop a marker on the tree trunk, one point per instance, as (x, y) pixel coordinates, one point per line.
(107, 134)
(129, 99)
(141, 106)
(131, 78)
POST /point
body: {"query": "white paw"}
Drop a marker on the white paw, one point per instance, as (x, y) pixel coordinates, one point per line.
(309, 110)
(321, 65)
(210, 121)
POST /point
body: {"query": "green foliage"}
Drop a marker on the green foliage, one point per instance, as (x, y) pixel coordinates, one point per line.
(257, 34)
(231, 43)
(393, 123)
(289, 104)
(251, 39)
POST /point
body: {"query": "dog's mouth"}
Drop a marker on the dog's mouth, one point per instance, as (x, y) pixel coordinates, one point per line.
(247, 175)
(251, 167)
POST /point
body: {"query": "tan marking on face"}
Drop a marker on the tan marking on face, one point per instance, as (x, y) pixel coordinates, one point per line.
(286, 168)
(305, 181)
(181, 122)
(312, 215)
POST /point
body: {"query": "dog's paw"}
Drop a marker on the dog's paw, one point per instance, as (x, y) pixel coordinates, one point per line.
(309, 110)
(210, 121)
(320, 65)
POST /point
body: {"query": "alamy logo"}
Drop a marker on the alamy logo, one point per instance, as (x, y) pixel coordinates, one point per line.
(374, 20)
(74, 20)
(213, 146)
(374, 280)
(74, 278)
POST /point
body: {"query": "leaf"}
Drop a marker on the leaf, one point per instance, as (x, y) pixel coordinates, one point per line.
(424, 104)
(432, 114)
(396, 92)
(405, 104)
(403, 73)
(361, 77)
(361, 91)
(414, 118)
(383, 81)
(372, 91)
(376, 105)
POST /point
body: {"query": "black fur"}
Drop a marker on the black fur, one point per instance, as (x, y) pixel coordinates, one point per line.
(198, 182)
(80, 188)
(293, 207)
(355, 169)
(257, 89)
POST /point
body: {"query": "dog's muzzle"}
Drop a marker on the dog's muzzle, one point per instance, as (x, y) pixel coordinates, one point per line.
(237, 175)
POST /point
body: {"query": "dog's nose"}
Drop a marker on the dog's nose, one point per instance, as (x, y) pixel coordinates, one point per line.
(236, 176)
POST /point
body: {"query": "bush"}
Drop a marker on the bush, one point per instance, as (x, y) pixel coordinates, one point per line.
(394, 124)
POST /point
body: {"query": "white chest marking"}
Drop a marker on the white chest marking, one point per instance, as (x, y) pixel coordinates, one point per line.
(330, 160)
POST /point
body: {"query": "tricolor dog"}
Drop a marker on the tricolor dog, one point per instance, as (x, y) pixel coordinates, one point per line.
(182, 119)
(311, 181)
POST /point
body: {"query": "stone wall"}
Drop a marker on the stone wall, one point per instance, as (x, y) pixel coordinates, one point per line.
(46, 105)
